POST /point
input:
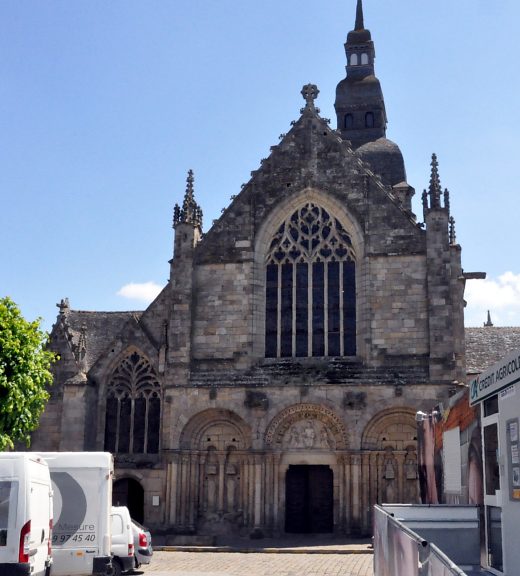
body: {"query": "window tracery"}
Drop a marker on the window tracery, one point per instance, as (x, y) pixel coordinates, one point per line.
(310, 287)
(133, 408)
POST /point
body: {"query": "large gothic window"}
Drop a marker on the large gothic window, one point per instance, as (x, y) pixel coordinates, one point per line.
(310, 287)
(133, 409)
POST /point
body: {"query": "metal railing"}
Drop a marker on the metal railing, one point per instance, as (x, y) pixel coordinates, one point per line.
(399, 551)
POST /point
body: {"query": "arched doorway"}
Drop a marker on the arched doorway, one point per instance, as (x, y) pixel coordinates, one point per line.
(309, 499)
(129, 492)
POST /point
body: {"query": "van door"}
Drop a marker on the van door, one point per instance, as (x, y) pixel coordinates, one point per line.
(9, 535)
(122, 540)
(40, 502)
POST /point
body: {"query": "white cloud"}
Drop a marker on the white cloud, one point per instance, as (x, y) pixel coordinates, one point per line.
(500, 296)
(144, 292)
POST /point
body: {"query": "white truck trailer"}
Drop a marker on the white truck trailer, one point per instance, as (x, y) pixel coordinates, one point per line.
(81, 540)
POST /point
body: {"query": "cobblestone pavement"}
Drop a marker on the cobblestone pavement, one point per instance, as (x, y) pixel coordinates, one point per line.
(257, 564)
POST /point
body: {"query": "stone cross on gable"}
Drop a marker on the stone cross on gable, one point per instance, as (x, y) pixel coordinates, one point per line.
(310, 93)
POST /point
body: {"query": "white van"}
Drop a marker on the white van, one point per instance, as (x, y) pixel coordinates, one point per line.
(82, 484)
(25, 515)
(122, 540)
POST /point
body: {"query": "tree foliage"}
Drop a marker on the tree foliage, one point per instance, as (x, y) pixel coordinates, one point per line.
(25, 373)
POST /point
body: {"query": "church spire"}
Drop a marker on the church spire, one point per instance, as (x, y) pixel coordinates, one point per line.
(190, 213)
(435, 184)
(432, 199)
(360, 25)
(488, 323)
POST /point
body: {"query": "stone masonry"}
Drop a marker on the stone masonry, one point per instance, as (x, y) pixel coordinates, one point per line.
(272, 385)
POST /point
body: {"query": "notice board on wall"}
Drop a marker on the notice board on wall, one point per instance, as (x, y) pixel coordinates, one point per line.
(513, 458)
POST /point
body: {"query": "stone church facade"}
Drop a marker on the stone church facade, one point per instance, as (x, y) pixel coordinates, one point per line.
(272, 385)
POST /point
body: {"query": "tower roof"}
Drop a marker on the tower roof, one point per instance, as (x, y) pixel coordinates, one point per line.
(359, 16)
(360, 34)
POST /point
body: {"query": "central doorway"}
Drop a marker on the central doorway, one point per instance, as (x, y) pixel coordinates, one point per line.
(309, 499)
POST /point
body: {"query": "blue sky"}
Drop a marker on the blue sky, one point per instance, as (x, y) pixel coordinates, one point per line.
(105, 105)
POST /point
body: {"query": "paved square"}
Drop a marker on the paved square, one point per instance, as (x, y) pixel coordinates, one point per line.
(257, 564)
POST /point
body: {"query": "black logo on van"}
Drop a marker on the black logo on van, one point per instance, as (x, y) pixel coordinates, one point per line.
(74, 503)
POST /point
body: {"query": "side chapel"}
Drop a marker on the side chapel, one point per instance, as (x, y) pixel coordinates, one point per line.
(272, 385)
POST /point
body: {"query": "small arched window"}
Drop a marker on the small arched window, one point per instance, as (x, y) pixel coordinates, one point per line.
(310, 307)
(369, 120)
(364, 58)
(354, 60)
(133, 408)
(349, 122)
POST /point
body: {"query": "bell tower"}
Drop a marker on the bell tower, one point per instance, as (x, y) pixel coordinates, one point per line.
(360, 107)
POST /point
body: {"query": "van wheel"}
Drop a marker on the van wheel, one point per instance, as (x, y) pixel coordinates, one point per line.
(117, 567)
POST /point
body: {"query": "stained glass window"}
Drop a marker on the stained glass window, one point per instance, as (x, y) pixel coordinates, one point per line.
(133, 408)
(310, 287)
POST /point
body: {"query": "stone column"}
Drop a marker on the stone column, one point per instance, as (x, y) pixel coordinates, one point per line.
(355, 466)
(221, 480)
(276, 490)
(365, 480)
(258, 491)
(340, 515)
(244, 492)
(172, 490)
(183, 492)
(348, 495)
(193, 496)
(269, 491)
(251, 490)
(373, 485)
(201, 506)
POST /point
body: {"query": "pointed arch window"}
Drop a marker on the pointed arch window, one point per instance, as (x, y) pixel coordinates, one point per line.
(133, 408)
(310, 305)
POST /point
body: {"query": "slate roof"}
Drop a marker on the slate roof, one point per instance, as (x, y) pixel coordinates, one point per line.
(484, 346)
(487, 345)
(100, 329)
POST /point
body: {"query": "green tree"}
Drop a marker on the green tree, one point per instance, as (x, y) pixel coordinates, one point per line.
(25, 373)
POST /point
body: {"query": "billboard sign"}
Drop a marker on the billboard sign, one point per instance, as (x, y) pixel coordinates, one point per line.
(504, 373)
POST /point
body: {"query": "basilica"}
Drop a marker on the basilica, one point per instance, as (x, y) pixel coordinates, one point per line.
(272, 386)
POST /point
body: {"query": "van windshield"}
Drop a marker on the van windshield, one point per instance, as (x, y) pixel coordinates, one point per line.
(8, 497)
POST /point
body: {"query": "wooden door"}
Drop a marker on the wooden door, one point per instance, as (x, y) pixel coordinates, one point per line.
(309, 500)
